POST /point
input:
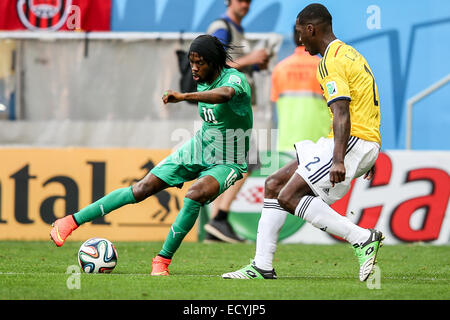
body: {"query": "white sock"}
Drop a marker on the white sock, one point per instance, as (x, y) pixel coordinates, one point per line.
(269, 227)
(322, 216)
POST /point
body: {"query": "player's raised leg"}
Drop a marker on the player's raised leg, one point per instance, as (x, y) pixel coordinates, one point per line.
(149, 185)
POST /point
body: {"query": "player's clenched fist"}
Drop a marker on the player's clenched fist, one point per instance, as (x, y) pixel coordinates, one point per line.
(172, 96)
(337, 173)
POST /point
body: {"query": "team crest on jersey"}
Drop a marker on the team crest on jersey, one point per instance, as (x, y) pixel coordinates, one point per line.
(43, 14)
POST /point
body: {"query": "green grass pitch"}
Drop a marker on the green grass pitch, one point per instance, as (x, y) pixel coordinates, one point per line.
(37, 271)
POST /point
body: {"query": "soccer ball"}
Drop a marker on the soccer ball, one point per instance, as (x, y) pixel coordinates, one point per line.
(97, 255)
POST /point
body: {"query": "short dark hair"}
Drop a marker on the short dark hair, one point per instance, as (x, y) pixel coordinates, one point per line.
(314, 13)
(212, 50)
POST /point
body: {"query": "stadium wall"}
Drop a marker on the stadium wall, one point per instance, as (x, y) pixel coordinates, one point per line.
(40, 185)
(402, 40)
(407, 199)
(102, 89)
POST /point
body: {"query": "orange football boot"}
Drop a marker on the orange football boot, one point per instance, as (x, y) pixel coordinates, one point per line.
(160, 266)
(62, 228)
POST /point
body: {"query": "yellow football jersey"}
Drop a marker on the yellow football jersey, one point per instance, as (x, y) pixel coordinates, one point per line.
(343, 73)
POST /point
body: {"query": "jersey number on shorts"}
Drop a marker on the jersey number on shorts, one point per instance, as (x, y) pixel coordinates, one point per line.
(316, 159)
(209, 115)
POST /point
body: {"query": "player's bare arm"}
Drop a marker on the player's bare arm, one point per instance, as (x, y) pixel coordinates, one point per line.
(341, 129)
(217, 95)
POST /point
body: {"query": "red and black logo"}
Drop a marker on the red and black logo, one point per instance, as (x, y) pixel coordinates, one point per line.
(43, 14)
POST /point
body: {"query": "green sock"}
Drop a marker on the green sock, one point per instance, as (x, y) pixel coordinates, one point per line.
(183, 224)
(105, 205)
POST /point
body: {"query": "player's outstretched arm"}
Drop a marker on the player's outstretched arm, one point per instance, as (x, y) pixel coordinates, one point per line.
(341, 130)
(217, 95)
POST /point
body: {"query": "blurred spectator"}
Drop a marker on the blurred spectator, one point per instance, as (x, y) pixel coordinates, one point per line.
(301, 109)
(229, 30)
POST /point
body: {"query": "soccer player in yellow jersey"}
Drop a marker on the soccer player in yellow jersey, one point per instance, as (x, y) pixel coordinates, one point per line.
(324, 170)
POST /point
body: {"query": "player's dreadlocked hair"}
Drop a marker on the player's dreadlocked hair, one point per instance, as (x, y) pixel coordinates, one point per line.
(212, 50)
(314, 12)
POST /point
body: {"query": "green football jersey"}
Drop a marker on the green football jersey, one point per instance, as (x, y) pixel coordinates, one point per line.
(226, 130)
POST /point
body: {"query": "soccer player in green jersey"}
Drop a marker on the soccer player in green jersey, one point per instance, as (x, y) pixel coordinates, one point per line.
(215, 157)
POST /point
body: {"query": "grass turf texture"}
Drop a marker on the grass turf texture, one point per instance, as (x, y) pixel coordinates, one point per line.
(37, 270)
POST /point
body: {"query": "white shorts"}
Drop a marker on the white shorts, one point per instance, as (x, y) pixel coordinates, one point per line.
(315, 160)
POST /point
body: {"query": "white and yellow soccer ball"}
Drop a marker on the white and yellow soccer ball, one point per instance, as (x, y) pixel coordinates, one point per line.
(97, 255)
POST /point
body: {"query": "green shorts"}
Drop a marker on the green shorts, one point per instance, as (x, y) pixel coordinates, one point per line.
(175, 172)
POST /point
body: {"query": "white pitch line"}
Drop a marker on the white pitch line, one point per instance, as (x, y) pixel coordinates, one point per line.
(209, 276)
